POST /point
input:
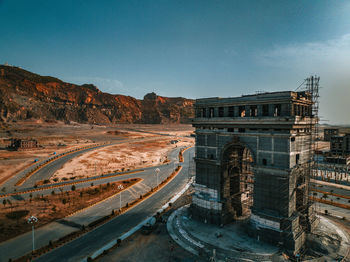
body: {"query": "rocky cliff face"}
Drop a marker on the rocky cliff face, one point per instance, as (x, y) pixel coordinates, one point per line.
(24, 95)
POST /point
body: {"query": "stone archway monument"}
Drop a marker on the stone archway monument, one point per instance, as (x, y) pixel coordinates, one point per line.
(253, 160)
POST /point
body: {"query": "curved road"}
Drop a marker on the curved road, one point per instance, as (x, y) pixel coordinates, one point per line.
(93, 240)
(49, 169)
(22, 244)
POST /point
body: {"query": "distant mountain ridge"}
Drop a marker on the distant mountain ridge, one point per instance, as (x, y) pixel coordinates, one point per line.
(25, 95)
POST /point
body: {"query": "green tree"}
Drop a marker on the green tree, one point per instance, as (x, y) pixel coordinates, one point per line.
(73, 187)
(64, 201)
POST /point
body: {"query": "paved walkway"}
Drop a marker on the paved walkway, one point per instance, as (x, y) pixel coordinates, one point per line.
(231, 243)
(227, 243)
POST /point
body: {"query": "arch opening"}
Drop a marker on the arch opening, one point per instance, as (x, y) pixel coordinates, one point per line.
(237, 182)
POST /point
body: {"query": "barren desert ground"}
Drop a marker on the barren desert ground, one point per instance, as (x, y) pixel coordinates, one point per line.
(59, 137)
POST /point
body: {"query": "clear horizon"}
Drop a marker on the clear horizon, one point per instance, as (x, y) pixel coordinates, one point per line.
(183, 48)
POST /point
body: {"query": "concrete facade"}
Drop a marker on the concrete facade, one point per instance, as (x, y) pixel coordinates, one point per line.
(253, 159)
(23, 144)
(340, 145)
(329, 132)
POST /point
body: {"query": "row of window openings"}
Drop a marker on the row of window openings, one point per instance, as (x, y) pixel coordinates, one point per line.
(242, 130)
(299, 110)
(339, 145)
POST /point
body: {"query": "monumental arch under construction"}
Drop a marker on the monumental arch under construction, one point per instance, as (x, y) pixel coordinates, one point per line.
(253, 159)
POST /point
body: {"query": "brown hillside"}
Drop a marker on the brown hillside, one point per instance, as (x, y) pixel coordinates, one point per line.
(25, 95)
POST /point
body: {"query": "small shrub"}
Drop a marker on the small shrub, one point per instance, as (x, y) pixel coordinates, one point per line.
(17, 214)
(46, 181)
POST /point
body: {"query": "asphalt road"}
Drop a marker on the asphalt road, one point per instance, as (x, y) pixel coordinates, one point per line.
(48, 170)
(45, 172)
(88, 243)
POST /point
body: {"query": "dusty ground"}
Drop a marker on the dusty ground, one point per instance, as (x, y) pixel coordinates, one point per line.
(59, 137)
(118, 158)
(157, 246)
(52, 207)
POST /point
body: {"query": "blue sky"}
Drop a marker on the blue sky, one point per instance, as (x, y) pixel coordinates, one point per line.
(185, 48)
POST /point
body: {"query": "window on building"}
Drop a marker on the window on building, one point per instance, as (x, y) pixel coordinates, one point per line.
(221, 112)
(241, 111)
(277, 110)
(297, 158)
(253, 111)
(265, 110)
(211, 112)
(264, 162)
(230, 129)
(241, 130)
(231, 111)
(204, 112)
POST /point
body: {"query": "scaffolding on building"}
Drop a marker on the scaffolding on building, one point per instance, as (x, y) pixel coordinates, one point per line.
(312, 86)
(309, 207)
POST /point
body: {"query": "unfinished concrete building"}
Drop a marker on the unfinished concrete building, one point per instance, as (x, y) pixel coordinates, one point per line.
(23, 144)
(340, 145)
(253, 159)
(329, 132)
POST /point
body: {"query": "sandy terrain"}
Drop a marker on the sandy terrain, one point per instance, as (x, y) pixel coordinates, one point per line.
(118, 158)
(58, 137)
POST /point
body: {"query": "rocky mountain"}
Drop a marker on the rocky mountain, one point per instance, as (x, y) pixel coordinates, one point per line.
(25, 95)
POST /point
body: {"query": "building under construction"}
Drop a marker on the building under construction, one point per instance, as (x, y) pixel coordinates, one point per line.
(253, 159)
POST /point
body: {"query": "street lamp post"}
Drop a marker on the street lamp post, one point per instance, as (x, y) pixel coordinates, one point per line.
(157, 173)
(120, 187)
(32, 220)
